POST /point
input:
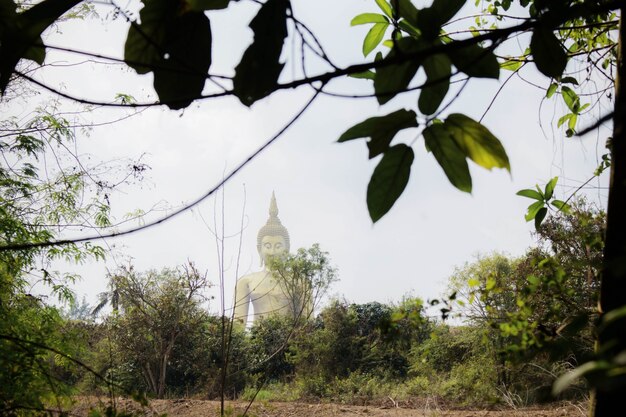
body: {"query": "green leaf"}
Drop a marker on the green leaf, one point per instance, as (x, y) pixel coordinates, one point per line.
(535, 195)
(175, 47)
(369, 75)
(478, 143)
(201, 5)
(571, 99)
(449, 156)
(20, 33)
(381, 130)
(365, 18)
(511, 64)
(430, 20)
(389, 180)
(392, 79)
(476, 61)
(561, 206)
(541, 214)
(549, 190)
(385, 7)
(571, 123)
(551, 90)
(564, 119)
(438, 69)
(374, 37)
(550, 57)
(257, 74)
(533, 209)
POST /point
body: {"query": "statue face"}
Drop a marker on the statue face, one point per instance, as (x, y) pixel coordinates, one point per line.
(272, 246)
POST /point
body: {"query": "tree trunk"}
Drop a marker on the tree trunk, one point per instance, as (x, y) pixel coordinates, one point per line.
(150, 378)
(608, 400)
(163, 372)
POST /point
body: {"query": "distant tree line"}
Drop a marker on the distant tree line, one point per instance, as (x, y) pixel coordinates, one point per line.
(516, 325)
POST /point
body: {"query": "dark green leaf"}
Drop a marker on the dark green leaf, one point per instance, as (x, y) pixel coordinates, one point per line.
(408, 11)
(535, 195)
(541, 214)
(393, 79)
(37, 53)
(374, 37)
(574, 325)
(569, 80)
(381, 130)
(478, 143)
(201, 5)
(430, 20)
(438, 70)
(175, 47)
(20, 34)
(549, 190)
(365, 18)
(550, 57)
(257, 74)
(410, 29)
(476, 61)
(389, 180)
(449, 156)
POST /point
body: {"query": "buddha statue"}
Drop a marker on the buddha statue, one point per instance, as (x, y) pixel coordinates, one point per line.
(262, 289)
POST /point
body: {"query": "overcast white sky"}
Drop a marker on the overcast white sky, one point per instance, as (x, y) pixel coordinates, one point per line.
(320, 185)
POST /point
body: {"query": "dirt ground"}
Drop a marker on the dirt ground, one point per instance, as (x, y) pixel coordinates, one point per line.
(426, 408)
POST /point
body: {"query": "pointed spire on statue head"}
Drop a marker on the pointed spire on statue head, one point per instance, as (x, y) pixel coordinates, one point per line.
(273, 226)
(273, 206)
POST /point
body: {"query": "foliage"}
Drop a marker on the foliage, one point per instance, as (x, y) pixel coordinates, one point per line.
(157, 309)
(304, 278)
(35, 351)
(43, 353)
(269, 341)
(173, 41)
(538, 210)
(459, 363)
(541, 308)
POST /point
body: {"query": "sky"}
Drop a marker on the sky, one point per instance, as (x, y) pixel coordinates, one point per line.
(320, 185)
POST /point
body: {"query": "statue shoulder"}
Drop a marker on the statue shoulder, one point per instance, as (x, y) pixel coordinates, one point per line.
(252, 277)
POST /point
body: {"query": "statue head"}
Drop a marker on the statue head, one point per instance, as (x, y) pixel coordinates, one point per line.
(273, 238)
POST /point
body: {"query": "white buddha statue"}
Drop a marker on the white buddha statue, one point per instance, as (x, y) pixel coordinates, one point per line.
(261, 289)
